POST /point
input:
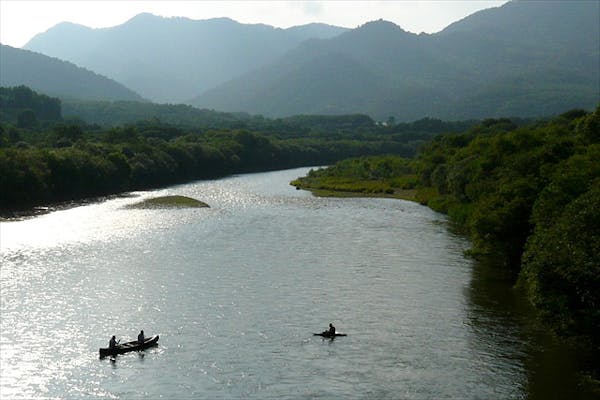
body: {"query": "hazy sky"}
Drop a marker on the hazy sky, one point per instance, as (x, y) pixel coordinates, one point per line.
(20, 20)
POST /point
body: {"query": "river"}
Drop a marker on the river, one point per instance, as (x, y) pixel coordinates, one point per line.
(236, 291)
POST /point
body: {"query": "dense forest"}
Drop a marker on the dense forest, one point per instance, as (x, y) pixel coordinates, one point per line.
(45, 158)
(528, 196)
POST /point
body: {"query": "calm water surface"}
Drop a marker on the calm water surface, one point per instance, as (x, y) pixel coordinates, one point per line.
(236, 291)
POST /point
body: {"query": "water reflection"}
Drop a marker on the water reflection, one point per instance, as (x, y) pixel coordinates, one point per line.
(504, 326)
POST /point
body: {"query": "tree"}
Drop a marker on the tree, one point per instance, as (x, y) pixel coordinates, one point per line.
(22, 96)
(26, 119)
(561, 266)
(69, 132)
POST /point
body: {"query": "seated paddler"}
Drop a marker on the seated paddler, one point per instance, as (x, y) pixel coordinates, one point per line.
(331, 330)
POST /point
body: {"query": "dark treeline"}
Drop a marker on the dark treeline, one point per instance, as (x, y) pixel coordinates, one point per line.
(74, 163)
(27, 108)
(528, 196)
(46, 159)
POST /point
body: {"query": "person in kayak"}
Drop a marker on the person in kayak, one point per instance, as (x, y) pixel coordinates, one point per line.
(331, 330)
(112, 343)
(141, 337)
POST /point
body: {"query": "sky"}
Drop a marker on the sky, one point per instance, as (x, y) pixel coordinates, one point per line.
(21, 20)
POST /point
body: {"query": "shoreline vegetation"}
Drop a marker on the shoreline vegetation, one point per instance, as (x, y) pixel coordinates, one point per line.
(339, 181)
(527, 196)
(47, 161)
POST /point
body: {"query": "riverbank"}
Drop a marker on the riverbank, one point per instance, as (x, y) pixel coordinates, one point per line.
(526, 196)
(589, 376)
(384, 176)
(344, 179)
(324, 191)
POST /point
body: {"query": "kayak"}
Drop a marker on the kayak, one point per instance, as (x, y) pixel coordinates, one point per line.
(129, 346)
(329, 335)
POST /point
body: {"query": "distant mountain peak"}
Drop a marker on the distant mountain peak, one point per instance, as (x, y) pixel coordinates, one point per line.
(224, 19)
(67, 27)
(381, 27)
(381, 24)
(145, 16)
(311, 24)
(68, 24)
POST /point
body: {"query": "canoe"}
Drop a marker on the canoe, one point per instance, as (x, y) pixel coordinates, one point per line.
(329, 335)
(129, 346)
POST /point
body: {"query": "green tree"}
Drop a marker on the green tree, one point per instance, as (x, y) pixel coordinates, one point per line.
(561, 266)
(27, 119)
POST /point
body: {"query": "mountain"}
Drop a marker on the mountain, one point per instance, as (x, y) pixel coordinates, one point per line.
(57, 78)
(174, 59)
(526, 58)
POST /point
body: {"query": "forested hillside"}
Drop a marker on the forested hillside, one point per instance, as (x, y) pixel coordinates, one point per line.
(59, 78)
(528, 196)
(525, 59)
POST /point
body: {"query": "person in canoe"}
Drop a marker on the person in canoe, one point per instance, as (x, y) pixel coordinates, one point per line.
(141, 337)
(113, 342)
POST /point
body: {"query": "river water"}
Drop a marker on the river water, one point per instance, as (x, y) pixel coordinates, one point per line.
(236, 291)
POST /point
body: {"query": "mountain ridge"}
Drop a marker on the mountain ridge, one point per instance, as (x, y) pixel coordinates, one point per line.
(461, 72)
(55, 77)
(174, 59)
(523, 59)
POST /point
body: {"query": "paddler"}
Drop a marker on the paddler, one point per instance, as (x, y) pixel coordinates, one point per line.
(331, 330)
(112, 343)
